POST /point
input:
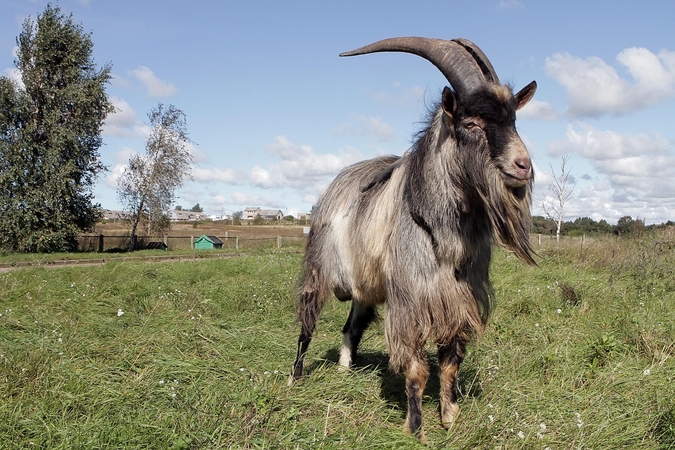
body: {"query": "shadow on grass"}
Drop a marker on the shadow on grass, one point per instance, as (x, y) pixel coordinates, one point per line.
(392, 386)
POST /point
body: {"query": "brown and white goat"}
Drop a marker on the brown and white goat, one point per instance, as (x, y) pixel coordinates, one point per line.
(416, 231)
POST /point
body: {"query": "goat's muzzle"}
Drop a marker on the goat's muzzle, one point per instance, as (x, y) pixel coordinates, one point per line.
(519, 173)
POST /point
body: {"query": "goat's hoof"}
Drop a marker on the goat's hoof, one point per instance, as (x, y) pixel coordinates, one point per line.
(292, 379)
(449, 415)
(419, 434)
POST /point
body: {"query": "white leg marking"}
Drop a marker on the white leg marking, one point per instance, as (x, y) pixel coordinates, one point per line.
(345, 352)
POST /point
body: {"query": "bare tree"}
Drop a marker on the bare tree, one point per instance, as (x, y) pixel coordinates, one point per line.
(147, 186)
(562, 189)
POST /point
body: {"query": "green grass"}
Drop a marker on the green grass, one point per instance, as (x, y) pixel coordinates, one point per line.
(578, 354)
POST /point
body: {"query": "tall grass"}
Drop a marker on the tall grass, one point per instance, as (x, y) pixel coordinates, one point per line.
(579, 354)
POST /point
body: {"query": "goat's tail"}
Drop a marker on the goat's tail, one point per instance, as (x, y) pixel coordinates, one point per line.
(312, 299)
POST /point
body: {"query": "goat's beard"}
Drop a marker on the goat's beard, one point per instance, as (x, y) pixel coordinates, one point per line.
(509, 211)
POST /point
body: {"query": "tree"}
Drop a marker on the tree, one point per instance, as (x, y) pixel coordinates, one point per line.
(197, 208)
(562, 191)
(236, 217)
(147, 186)
(50, 135)
(258, 220)
(178, 208)
(624, 225)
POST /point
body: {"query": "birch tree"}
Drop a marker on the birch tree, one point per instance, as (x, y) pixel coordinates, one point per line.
(147, 186)
(562, 189)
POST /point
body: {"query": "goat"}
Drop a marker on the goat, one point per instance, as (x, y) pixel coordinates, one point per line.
(416, 231)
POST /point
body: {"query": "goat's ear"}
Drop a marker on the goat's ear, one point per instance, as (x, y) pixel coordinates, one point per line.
(525, 95)
(449, 102)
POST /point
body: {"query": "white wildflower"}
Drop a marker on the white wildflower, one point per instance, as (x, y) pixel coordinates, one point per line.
(558, 310)
(521, 435)
(120, 312)
(491, 417)
(646, 372)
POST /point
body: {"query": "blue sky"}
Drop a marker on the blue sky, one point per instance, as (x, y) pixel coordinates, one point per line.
(275, 113)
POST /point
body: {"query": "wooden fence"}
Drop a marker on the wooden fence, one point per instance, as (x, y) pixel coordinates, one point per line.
(110, 243)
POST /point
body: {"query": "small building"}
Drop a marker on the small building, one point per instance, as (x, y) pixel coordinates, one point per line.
(186, 216)
(267, 214)
(109, 214)
(158, 245)
(205, 242)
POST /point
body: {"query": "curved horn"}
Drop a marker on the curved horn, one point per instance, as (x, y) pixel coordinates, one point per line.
(463, 64)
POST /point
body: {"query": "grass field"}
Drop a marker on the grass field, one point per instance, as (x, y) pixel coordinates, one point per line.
(196, 354)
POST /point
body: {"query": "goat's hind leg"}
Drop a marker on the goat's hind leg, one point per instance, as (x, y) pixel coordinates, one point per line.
(311, 303)
(450, 356)
(360, 316)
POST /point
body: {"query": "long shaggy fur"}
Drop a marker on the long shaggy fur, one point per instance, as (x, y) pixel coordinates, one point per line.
(416, 232)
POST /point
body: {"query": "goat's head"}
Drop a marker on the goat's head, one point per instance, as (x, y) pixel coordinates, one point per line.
(480, 114)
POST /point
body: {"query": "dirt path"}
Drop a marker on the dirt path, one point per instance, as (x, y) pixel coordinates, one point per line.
(7, 267)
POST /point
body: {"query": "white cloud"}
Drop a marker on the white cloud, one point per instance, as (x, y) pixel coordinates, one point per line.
(400, 97)
(155, 86)
(214, 174)
(15, 76)
(124, 121)
(636, 172)
(595, 88)
(537, 110)
(300, 168)
(240, 198)
(367, 126)
(119, 81)
(13, 73)
(197, 155)
(121, 159)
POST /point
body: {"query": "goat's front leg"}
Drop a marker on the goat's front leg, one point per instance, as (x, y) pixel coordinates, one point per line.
(416, 376)
(450, 356)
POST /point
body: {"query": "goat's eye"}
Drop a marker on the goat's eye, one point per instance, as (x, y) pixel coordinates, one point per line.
(470, 125)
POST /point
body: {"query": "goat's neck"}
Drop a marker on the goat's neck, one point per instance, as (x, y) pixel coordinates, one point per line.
(440, 201)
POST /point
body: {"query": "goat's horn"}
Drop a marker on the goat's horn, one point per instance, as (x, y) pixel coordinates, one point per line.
(464, 65)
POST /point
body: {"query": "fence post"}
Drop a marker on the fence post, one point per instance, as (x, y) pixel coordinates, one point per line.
(278, 241)
(100, 243)
(192, 242)
(227, 235)
(166, 241)
(236, 243)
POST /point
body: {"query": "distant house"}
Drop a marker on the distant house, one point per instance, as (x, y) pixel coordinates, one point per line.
(305, 216)
(215, 217)
(267, 214)
(250, 213)
(109, 214)
(186, 216)
(205, 242)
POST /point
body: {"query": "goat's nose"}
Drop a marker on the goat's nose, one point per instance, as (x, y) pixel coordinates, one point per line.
(524, 165)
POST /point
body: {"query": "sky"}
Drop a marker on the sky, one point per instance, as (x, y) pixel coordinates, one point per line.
(274, 114)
